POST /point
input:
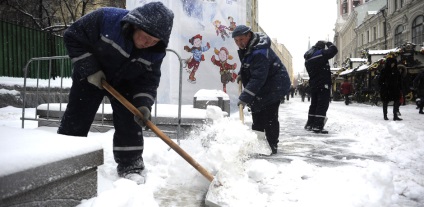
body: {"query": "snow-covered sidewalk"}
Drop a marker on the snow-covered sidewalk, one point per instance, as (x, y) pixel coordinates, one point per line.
(363, 161)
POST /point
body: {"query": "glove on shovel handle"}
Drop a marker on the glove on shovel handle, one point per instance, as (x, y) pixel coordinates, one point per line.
(157, 131)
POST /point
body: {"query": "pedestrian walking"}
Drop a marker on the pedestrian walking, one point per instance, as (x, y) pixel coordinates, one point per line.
(390, 87)
(292, 90)
(125, 48)
(419, 88)
(302, 91)
(318, 68)
(265, 81)
(346, 89)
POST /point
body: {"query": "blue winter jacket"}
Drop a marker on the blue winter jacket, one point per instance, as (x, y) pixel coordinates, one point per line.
(102, 40)
(264, 77)
(318, 67)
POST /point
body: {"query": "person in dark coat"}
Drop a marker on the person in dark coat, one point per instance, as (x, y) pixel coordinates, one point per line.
(318, 67)
(346, 89)
(390, 87)
(292, 90)
(302, 91)
(308, 91)
(125, 48)
(419, 88)
(265, 81)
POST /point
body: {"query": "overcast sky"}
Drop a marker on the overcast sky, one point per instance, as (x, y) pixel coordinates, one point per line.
(293, 22)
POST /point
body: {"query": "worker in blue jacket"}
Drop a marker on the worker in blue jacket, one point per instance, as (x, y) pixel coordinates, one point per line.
(265, 81)
(318, 67)
(126, 48)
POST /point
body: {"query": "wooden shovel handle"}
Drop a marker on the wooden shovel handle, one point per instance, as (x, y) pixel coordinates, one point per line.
(157, 131)
(241, 113)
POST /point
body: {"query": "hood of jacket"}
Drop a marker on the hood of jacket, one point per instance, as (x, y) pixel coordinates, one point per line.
(153, 18)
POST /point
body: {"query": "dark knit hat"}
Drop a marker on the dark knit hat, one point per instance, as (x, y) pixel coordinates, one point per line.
(240, 30)
(320, 44)
(153, 18)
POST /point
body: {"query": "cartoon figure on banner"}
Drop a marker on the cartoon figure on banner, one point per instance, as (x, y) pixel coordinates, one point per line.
(225, 69)
(194, 61)
(220, 29)
(232, 24)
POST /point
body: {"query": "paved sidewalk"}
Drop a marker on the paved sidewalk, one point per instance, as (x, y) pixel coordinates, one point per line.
(317, 149)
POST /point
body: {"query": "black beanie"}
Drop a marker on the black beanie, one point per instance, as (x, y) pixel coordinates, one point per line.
(240, 30)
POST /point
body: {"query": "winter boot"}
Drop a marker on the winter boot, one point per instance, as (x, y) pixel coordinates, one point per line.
(385, 110)
(308, 127)
(396, 118)
(319, 125)
(133, 171)
(137, 177)
(319, 130)
(274, 149)
(309, 123)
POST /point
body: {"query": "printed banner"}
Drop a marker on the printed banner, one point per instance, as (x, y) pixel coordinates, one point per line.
(201, 35)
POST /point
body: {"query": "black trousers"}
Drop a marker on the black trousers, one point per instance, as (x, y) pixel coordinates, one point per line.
(347, 101)
(396, 105)
(84, 101)
(319, 106)
(266, 120)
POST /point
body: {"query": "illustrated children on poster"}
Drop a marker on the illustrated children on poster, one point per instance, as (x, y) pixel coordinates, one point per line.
(220, 29)
(232, 24)
(225, 69)
(194, 61)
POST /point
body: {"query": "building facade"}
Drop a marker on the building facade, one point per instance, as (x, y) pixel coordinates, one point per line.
(377, 25)
(285, 57)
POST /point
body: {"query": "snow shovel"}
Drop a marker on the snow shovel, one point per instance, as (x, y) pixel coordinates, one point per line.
(158, 132)
(263, 148)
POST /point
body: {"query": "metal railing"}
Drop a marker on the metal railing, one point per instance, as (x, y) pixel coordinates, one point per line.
(37, 62)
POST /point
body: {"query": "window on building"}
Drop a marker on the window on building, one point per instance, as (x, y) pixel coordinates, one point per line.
(401, 3)
(356, 3)
(398, 35)
(396, 5)
(374, 33)
(368, 37)
(362, 39)
(418, 30)
(344, 6)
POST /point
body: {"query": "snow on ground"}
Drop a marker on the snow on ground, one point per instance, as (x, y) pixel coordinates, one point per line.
(364, 161)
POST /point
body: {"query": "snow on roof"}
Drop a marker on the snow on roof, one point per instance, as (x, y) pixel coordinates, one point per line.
(358, 60)
(362, 67)
(334, 70)
(381, 52)
(346, 72)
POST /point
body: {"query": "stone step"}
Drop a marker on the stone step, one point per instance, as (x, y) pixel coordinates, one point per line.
(50, 114)
(60, 183)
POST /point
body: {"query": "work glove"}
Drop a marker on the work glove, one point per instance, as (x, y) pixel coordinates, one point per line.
(96, 79)
(241, 103)
(238, 78)
(146, 116)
